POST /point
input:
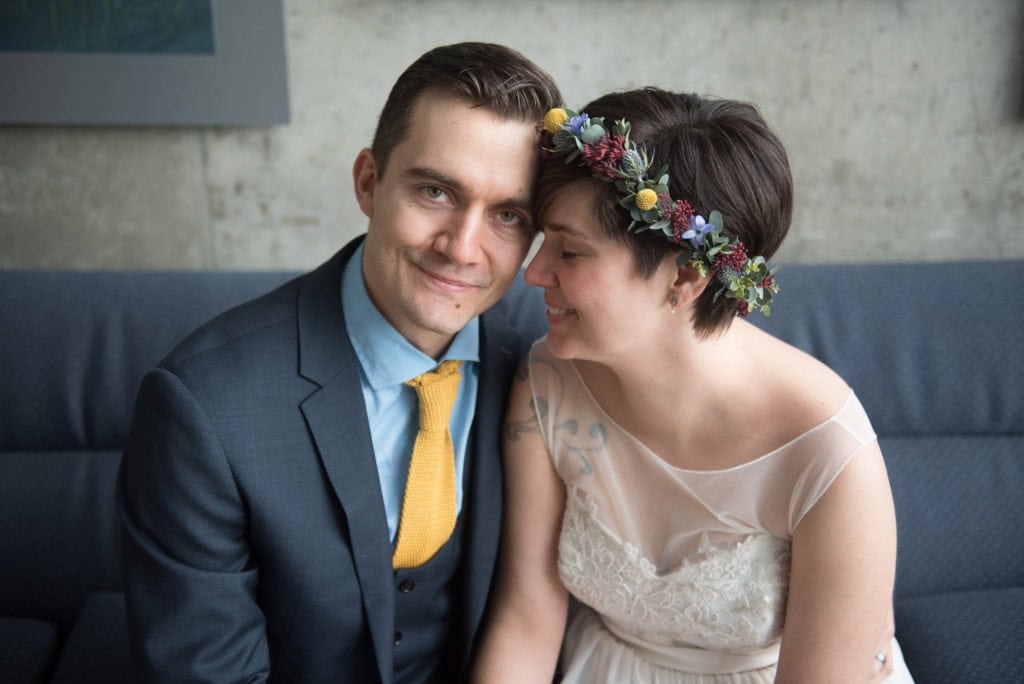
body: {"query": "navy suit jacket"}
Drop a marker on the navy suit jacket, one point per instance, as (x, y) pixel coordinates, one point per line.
(255, 539)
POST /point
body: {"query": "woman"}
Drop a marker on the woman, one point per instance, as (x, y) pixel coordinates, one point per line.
(714, 498)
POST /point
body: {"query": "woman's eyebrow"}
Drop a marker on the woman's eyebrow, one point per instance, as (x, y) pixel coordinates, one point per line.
(567, 230)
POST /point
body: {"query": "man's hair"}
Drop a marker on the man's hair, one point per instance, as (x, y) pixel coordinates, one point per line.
(487, 75)
(721, 155)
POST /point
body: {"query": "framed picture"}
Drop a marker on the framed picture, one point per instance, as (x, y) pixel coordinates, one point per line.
(143, 62)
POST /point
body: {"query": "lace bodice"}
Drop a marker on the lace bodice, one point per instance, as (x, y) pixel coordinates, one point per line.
(729, 599)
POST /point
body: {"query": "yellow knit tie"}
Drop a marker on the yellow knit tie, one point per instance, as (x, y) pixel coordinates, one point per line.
(428, 510)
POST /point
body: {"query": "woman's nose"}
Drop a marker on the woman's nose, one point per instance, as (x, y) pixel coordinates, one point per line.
(538, 273)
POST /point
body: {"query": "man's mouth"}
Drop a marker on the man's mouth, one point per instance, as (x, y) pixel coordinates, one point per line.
(446, 282)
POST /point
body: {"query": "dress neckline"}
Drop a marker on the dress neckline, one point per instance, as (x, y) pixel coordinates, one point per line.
(716, 471)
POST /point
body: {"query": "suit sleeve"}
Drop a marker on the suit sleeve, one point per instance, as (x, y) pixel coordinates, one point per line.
(190, 582)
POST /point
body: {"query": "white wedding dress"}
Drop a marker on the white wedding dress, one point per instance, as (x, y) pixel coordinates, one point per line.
(678, 575)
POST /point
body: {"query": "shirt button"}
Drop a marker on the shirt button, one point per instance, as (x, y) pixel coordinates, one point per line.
(398, 638)
(406, 585)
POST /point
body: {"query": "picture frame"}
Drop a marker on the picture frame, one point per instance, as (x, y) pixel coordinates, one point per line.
(242, 83)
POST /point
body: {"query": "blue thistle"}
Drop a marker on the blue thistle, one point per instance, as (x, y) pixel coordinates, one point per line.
(633, 164)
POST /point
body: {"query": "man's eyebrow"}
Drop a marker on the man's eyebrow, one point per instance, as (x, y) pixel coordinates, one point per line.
(426, 173)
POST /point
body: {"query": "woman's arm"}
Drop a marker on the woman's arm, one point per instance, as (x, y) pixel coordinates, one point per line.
(839, 611)
(526, 618)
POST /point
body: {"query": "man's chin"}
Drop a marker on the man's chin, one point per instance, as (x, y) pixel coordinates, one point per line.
(442, 318)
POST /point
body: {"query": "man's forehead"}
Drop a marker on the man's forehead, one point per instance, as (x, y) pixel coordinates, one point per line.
(449, 138)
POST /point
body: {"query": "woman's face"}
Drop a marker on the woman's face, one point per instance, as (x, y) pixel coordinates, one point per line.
(598, 306)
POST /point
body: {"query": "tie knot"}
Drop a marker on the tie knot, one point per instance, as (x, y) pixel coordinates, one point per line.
(437, 390)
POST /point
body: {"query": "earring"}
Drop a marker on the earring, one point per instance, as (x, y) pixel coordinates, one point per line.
(674, 301)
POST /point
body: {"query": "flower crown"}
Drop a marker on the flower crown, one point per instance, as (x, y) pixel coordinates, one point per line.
(612, 156)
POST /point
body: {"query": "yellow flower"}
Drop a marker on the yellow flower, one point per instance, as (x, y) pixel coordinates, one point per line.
(646, 199)
(554, 119)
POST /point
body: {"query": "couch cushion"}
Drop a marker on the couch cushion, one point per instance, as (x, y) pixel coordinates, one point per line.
(75, 345)
(930, 349)
(60, 532)
(27, 650)
(972, 636)
(959, 512)
(96, 649)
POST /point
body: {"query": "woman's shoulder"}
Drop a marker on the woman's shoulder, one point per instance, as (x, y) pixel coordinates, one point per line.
(545, 373)
(801, 388)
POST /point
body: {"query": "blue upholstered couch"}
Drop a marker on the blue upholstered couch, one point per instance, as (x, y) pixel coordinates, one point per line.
(935, 352)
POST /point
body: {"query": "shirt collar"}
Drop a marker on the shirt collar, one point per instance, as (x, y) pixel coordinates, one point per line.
(388, 358)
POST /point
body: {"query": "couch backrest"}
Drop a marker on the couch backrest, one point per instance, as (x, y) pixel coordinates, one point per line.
(935, 352)
(73, 348)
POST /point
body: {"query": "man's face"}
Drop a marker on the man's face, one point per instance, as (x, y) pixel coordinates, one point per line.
(449, 219)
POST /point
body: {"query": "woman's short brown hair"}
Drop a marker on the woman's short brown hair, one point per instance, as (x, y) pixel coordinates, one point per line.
(720, 155)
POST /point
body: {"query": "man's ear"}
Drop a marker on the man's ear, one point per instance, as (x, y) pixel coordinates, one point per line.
(364, 180)
(689, 284)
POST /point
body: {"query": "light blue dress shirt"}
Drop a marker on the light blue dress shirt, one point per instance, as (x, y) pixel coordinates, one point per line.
(386, 361)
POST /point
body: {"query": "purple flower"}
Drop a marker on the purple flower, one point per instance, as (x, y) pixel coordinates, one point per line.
(698, 229)
(576, 123)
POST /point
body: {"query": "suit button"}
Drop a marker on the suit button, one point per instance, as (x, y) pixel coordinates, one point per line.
(398, 638)
(406, 585)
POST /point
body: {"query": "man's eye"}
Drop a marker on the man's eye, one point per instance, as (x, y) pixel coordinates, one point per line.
(509, 217)
(433, 192)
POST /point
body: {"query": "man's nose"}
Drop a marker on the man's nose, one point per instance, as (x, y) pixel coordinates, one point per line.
(462, 238)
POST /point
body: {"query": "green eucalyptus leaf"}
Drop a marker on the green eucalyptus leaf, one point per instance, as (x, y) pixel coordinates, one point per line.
(592, 133)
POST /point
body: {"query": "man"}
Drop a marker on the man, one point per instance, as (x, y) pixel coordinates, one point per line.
(263, 492)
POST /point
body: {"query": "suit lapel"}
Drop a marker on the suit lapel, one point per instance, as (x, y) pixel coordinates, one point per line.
(337, 421)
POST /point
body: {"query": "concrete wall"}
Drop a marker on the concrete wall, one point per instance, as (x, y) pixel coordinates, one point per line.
(904, 121)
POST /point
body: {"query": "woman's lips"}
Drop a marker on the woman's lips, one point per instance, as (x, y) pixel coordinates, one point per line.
(557, 314)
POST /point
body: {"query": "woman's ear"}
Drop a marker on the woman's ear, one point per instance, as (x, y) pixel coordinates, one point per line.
(687, 286)
(364, 180)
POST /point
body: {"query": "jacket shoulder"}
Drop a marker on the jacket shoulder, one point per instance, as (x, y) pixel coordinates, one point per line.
(238, 323)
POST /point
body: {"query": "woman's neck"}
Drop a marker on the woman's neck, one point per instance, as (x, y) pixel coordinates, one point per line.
(665, 390)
